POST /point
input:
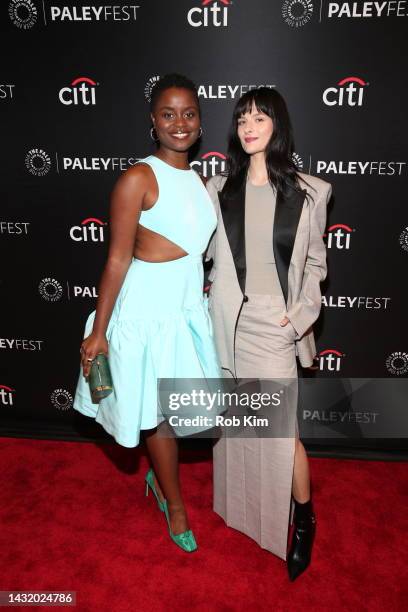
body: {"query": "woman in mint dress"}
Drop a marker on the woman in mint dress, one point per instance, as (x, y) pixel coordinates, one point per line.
(151, 318)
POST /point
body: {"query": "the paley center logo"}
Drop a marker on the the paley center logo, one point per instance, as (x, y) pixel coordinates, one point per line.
(50, 289)
(149, 86)
(298, 161)
(347, 92)
(210, 163)
(90, 230)
(209, 13)
(61, 399)
(403, 239)
(338, 236)
(297, 13)
(23, 13)
(397, 363)
(81, 91)
(38, 162)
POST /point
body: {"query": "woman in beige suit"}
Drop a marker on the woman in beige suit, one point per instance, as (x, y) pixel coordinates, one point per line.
(268, 261)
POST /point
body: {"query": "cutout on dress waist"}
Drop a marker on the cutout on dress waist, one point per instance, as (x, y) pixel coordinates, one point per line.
(185, 254)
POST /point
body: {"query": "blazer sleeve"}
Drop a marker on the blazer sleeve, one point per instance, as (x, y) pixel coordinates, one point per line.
(304, 312)
(213, 186)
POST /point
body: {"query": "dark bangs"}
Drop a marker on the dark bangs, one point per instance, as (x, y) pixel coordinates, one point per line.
(246, 102)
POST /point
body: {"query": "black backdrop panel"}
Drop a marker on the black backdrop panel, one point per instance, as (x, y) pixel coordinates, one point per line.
(73, 85)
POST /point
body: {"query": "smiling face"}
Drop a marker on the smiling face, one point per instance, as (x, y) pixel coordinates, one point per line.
(176, 119)
(254, 130)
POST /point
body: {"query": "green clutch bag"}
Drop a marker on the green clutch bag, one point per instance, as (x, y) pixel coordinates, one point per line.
(100, 378)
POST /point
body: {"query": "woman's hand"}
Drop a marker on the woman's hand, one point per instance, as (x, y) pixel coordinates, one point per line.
(90, 348)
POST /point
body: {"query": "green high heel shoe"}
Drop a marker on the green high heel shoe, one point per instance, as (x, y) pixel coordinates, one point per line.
(185, 540)
(149, 479)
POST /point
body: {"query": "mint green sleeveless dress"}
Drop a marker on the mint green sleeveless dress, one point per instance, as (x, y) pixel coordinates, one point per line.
(160, 326)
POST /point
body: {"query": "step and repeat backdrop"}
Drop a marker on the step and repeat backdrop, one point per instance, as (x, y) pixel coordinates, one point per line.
(75, 80)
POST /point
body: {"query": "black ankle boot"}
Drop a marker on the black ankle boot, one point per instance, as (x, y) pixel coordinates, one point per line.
(300, 551)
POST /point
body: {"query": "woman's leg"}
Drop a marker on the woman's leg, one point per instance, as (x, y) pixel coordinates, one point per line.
(300, 550)
(163, 451)
(301, 474)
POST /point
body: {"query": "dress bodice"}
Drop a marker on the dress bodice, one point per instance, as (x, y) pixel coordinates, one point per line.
(183, 212)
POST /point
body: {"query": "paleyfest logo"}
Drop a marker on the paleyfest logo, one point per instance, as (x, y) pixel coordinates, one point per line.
(210, 13)
(338, 236)
(297, 13)
(367, 10)
(81, 91)
(210, 163)
(363, 168)
(349, 91)
(94, 13)
(23, 13)
(38, 162)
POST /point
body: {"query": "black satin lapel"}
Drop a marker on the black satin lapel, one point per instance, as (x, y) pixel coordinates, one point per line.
(287, 214)
(233, 214)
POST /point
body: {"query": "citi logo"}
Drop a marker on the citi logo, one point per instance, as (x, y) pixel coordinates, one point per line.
(338, 236)
(349, 91)
(6, 395)
(82, 91)
(211, 163)
(330, 360)
(90, 230)
(211, 13)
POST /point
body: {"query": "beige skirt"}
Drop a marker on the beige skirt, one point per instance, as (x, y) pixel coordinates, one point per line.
(253, 476)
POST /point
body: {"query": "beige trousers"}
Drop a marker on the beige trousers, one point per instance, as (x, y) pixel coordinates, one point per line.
(253, 476)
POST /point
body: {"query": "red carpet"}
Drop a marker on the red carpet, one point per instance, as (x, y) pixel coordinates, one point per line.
(74, 517)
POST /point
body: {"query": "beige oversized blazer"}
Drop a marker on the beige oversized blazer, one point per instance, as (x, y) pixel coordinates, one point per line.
(300, 256)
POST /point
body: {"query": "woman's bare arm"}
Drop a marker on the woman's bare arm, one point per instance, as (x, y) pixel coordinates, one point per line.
(126, 204)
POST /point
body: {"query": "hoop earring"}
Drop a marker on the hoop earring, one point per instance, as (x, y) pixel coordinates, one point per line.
(201, 132)
(155, 139)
